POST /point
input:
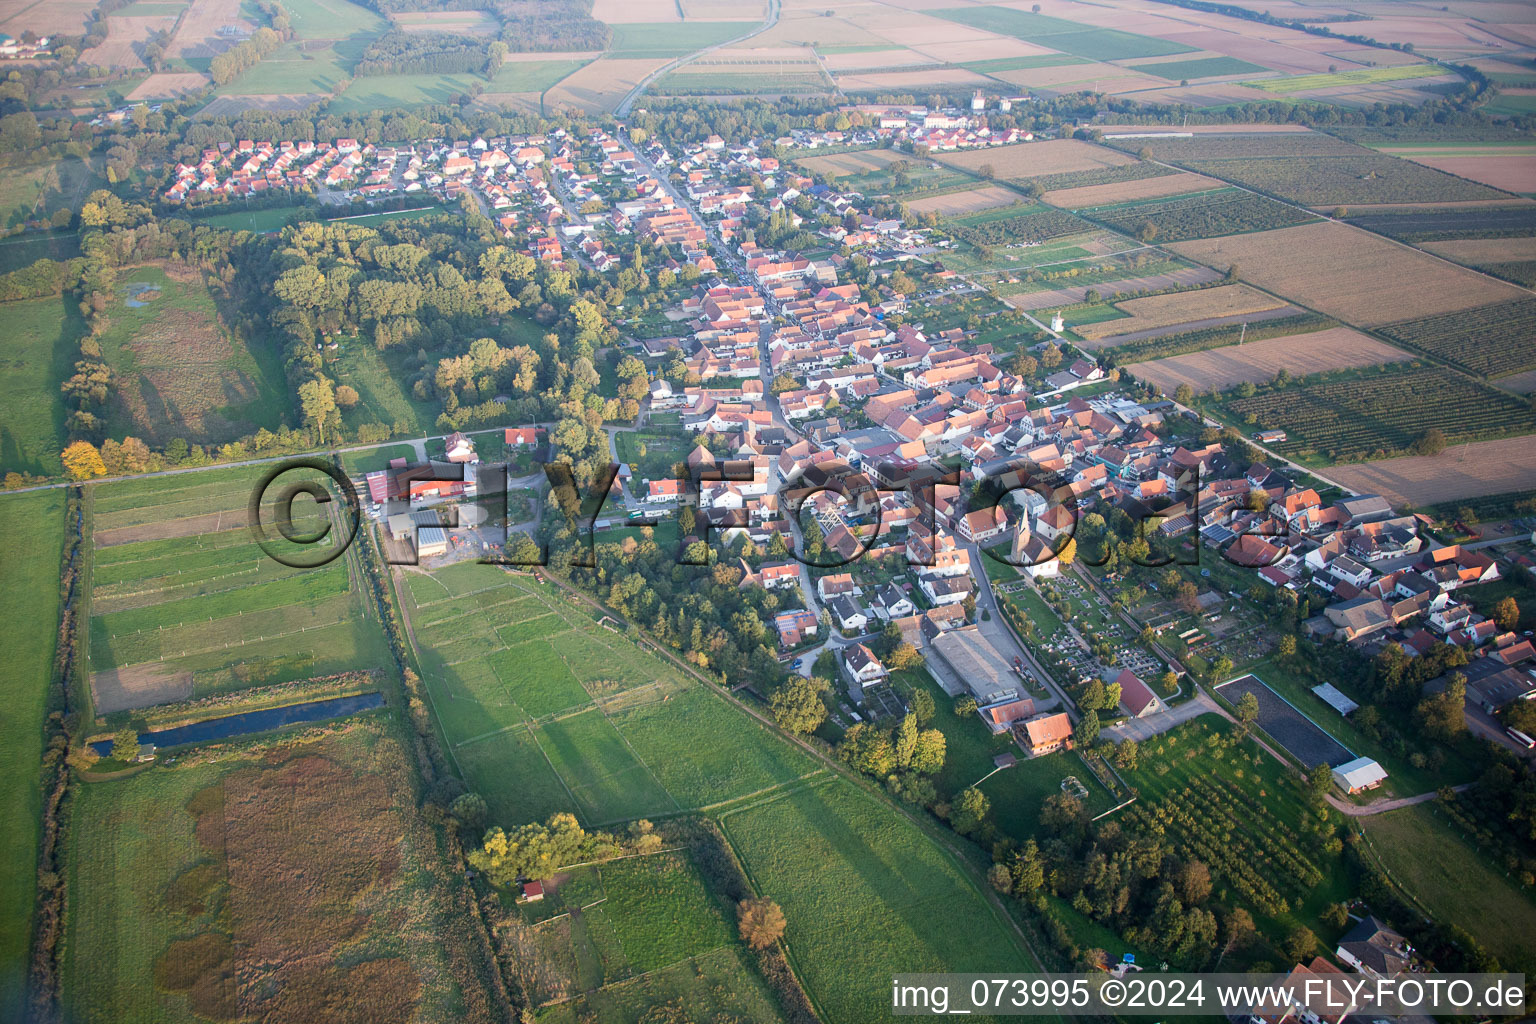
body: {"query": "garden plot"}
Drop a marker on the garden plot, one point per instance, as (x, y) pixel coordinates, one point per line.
(1302, 738)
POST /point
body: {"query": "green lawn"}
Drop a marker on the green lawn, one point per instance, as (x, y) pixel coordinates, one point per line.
(1423, 854)
(381, 398)
(42, 343)
(866, 894)
(655, 741)
(34, 530)
(291, 68)
(1360, 76)
(385, 92)
(1066, 36)
(531, 75)
(1201, 67)
(28, 193)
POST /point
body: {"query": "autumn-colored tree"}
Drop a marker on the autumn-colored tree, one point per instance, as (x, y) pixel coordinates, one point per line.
(346, 396)
(1506, 613)
(761, 922)
(83, 462)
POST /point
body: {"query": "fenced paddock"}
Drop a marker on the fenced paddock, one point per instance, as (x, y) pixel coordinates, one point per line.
(1301, 737)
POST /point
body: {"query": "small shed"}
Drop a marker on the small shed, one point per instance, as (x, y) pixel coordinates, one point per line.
(533, 891)
(1359, 775)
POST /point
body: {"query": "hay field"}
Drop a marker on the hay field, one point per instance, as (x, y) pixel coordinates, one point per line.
(1031, 159)
(46, 19)
(181, 372)
(1129, 191)
(464, 23)
(600, 85)
(165, 84)
(1181, 307)
(1348, 273)
(1337, 348)
(198, 33)
(1463, 471)
(953, 204)
(262, 883)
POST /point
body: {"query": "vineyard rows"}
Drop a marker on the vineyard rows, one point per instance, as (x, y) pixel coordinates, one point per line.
(1443, 225)
(1144, 349)
(1324, 181)
(1379, 413)
(1038, 226)
(1491, 341)
(1208, 215)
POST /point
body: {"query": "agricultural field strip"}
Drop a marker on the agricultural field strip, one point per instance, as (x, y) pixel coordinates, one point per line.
(595, 700)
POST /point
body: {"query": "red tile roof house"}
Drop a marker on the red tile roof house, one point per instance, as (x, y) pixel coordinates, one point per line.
(779, 574)
(522, 437)
(1136, 697)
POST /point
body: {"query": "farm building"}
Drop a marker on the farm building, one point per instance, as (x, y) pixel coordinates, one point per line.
(1359, 775)
(1001, 716)
(533, 891)
(970, 657)
(1046, 734)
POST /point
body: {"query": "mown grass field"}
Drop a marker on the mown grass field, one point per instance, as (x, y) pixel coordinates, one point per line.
(866, 895)
(546, 710)
(613, 942)
(42, 345)
(181, 592)
(1423, 853)
(28, 193)
(34, 531)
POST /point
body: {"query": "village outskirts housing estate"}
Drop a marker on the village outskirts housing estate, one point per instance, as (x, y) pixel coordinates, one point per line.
(651, 512)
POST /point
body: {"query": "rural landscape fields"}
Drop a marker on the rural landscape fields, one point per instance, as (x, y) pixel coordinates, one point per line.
(546, 708)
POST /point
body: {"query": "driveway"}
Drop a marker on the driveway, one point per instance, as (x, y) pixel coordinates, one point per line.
(1140, 729)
